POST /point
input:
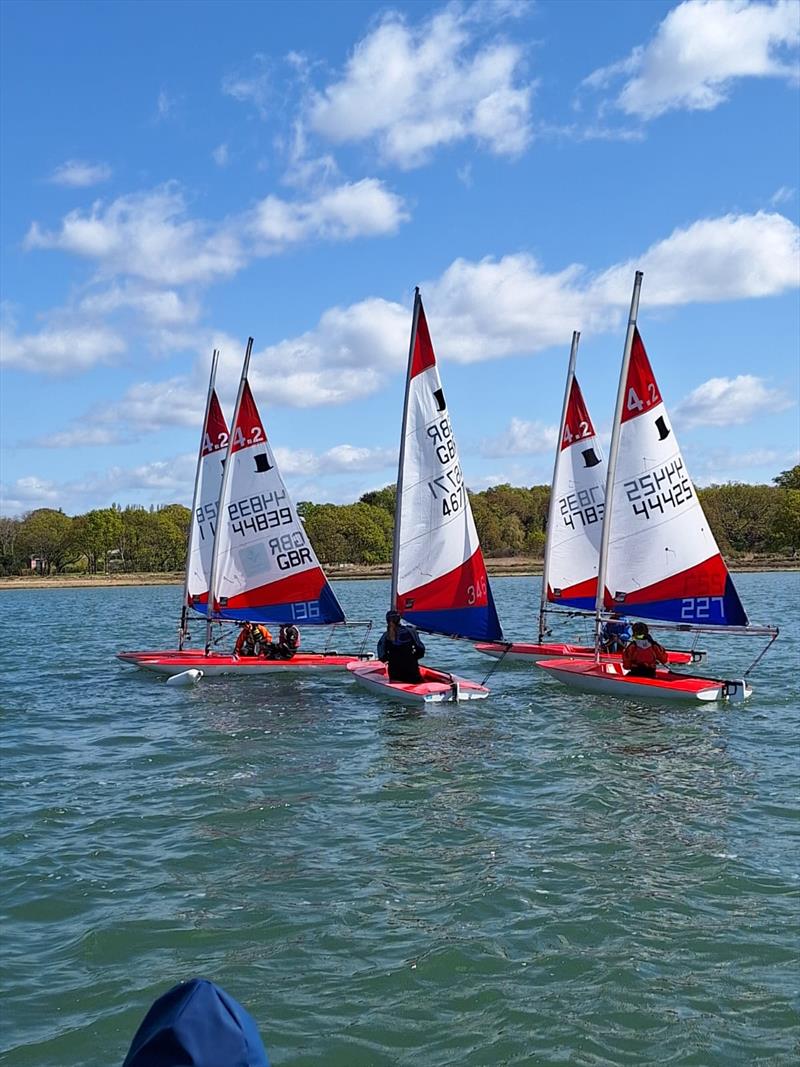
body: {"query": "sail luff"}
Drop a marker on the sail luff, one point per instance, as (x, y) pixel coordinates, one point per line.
(195, 493)
(611, 469)
(551, 509)
(212, 587)
(401, 457)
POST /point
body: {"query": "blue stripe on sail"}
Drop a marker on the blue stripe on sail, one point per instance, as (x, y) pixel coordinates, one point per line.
(584, 603)
(726, 610)
(476, 624)
(322, 612)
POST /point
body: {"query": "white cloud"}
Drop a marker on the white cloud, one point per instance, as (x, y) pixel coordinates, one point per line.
(360, 209)
(415, 89)
(699, 50)
(79, 174)
(157, 307)
(81, 436)
(165, 105)
(146, 235)
(728, 258)
(522, 438)
(783, 195)
(150, 236)
(730, 402)
(64, 350)
(221, 155)
(250, 88)
(337, 460)
(720, 465)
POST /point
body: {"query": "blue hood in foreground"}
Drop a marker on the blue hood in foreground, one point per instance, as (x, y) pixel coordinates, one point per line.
(196, 1024)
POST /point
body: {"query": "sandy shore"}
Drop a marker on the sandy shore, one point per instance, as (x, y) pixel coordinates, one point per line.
(496, 567)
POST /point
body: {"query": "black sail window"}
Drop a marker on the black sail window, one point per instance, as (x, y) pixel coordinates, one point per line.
(663, 429)
(590, 457)
(438, 395)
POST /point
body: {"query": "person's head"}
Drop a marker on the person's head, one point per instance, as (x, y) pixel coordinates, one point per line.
(393, 618)
(640, 631)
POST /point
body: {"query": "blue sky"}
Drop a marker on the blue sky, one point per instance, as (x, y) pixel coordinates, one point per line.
(177, 176)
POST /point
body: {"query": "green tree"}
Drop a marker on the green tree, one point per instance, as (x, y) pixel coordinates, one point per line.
(787, 521)
(788, 479)
(385, 498)
(45, 535)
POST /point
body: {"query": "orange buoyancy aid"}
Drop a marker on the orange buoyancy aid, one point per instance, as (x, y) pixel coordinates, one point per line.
(643, 654)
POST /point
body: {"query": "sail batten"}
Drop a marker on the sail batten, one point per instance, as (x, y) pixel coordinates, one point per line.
(439, 579)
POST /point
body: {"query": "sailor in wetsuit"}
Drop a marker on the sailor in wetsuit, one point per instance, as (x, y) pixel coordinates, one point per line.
(400, 649)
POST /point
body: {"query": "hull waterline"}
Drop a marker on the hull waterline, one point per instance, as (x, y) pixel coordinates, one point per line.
(610, 679)
(215, 664)
(436, 686)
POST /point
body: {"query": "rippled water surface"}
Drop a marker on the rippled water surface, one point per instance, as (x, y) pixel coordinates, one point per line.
(540, 878)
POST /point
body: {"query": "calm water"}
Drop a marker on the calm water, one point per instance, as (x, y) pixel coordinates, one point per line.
(543, 878)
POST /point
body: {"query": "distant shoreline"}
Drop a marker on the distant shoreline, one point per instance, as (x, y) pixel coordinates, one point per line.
(497, 568)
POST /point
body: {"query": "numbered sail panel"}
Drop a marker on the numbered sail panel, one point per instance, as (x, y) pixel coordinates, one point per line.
(204, 518)
(303, 598)
(704, 594)
(573, 543)
(459, 604)
(437, 544)
(663, 560)
(267, 569)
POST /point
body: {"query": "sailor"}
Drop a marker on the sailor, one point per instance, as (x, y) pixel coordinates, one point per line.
(288, 641)
(252, 640)
(400, 649)
(615, 633)
(642, 655)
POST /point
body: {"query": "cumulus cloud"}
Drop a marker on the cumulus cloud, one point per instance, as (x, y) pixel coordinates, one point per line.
(338, 460)
(358, 209)
(698, 52)
(727, 258)
(82, 436)
(521, 438)
(79, 174)
(150, 236)
(730, 402)
(146, 235)
(157, 307)
(414, 89)
(57, 351)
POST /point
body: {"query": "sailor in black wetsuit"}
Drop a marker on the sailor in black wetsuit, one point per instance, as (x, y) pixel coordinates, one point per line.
(400, 649)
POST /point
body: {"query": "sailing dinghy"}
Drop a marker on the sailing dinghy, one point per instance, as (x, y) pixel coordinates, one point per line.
(658, 557)
(574, 525)
(439, 580)
(261, 567)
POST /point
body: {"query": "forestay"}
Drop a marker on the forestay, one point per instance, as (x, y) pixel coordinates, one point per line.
(573, 539)
(265, 569)
(439, 581)
(663, 560)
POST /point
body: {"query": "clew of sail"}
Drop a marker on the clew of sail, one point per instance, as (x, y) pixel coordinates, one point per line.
(265, 569)
(663, 560)
(439, 581)
(573, 539)
(213, 447)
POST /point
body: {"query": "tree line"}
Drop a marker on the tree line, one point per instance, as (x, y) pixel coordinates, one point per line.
(511, 521)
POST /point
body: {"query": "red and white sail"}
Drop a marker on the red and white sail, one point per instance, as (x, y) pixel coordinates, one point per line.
(663, 561)
(439, 575)
(208, 481)
(265, 569)
(572, 550)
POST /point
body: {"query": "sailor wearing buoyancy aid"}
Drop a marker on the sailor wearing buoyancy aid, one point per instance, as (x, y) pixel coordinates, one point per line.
(642, 655)
(253, 638)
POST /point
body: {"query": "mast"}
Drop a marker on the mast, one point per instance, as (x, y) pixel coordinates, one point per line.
(400, 462)
(184, 609)
(602, 568)
(551, 509)
(212, 592)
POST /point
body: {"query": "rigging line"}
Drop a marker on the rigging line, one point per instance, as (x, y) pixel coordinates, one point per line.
(506, 649)
(761, 654)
